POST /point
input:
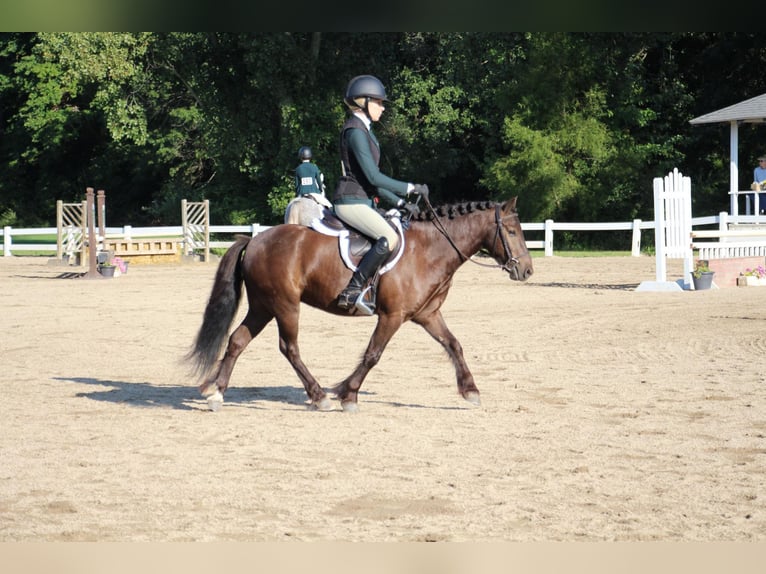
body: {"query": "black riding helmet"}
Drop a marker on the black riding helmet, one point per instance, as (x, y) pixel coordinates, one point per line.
(364, 87)
(304, 153)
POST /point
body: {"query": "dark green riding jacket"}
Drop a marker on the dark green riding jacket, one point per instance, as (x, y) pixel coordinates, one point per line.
(360, 154)
(308, 178)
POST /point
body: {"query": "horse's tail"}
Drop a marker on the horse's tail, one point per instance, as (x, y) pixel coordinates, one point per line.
(220, 310)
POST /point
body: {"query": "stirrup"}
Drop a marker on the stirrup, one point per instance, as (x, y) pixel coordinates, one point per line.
(363, 306)
(357, 301)
(347, 299)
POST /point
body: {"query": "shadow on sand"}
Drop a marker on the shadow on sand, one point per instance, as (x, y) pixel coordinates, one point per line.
(149, 395)
(598, 286)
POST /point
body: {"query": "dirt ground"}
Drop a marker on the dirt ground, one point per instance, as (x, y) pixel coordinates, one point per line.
(608, 415)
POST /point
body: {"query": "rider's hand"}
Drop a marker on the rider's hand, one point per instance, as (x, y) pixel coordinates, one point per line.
(420, 189)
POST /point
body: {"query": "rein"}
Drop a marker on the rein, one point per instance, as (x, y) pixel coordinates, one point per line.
(510, 261)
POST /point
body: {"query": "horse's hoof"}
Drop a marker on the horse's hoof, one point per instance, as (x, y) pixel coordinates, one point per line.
(208, 389)
(350, 407)
(473, 398)
(215, 401)
(324, 404)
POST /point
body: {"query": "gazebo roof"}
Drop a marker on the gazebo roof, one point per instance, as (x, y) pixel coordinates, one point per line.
(749, 111)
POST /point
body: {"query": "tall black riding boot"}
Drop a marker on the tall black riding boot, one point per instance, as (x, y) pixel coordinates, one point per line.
(367, 268)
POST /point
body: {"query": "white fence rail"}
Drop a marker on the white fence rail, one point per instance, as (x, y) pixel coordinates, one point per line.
(9, 233)
(548, 229)
(128, 232)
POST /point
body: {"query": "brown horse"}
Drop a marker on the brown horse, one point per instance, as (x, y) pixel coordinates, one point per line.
(290, 264)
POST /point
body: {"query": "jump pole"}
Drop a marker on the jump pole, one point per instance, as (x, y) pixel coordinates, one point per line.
(101, 209)
(92, 247)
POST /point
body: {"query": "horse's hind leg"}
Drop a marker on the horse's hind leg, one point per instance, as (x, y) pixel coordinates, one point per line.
(215, 386)
(288, 345)
(436, 327)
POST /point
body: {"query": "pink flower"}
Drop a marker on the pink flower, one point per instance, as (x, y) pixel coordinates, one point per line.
(759, 272)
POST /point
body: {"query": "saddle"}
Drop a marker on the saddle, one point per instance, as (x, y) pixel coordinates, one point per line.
(352, 244)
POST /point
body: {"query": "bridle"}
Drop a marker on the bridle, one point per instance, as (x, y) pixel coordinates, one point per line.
(510, 261)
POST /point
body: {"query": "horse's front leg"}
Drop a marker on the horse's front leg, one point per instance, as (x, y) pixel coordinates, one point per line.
(288, 345)
(436, 327)
(348, 389)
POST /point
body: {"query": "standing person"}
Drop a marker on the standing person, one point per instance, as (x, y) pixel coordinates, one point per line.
(759, 184)
(309, 199)
(355, 205)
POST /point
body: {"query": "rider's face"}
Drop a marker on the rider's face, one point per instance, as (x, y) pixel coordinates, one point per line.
(375, 108)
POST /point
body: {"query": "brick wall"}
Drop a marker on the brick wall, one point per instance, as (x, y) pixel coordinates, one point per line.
(727, 270)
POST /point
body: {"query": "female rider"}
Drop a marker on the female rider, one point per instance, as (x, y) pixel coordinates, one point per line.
(360, 155)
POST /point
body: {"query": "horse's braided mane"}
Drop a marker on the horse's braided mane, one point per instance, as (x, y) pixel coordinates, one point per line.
(453, 210)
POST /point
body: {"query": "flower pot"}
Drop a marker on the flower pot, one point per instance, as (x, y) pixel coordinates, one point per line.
(106, 270)
(704, 281)
(751, 281)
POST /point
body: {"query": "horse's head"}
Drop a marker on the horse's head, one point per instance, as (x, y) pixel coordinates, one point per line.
(507, 244)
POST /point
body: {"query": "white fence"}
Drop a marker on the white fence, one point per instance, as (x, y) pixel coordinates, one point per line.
(548, 228)
(128, 232)
(8, 233)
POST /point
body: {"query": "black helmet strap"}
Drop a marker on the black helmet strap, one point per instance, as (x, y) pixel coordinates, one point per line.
(366, 108)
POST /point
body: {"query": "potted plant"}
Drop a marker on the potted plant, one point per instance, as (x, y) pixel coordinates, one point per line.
(106, 269)
(702, 276)
(755, 276)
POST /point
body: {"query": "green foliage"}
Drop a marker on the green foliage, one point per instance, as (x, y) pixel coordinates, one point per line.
(7, 218)
(700, 266)
(279, 197)
(553, 168)
(104, 67)
(576, 124)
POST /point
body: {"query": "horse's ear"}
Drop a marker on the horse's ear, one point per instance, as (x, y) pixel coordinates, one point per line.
(510, 205)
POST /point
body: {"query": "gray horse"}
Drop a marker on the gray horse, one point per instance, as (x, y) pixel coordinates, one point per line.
(305, 208)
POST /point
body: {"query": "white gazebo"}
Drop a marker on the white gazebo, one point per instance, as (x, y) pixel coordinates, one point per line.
(752, 111)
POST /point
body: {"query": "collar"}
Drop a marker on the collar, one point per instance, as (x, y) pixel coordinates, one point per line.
(362, 116)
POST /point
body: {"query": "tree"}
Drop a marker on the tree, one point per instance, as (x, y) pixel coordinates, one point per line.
(576, 124)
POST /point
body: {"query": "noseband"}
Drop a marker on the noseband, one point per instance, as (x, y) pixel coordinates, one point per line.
(510, 261)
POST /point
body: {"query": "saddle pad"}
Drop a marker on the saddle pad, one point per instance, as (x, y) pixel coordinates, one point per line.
(334, 227)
